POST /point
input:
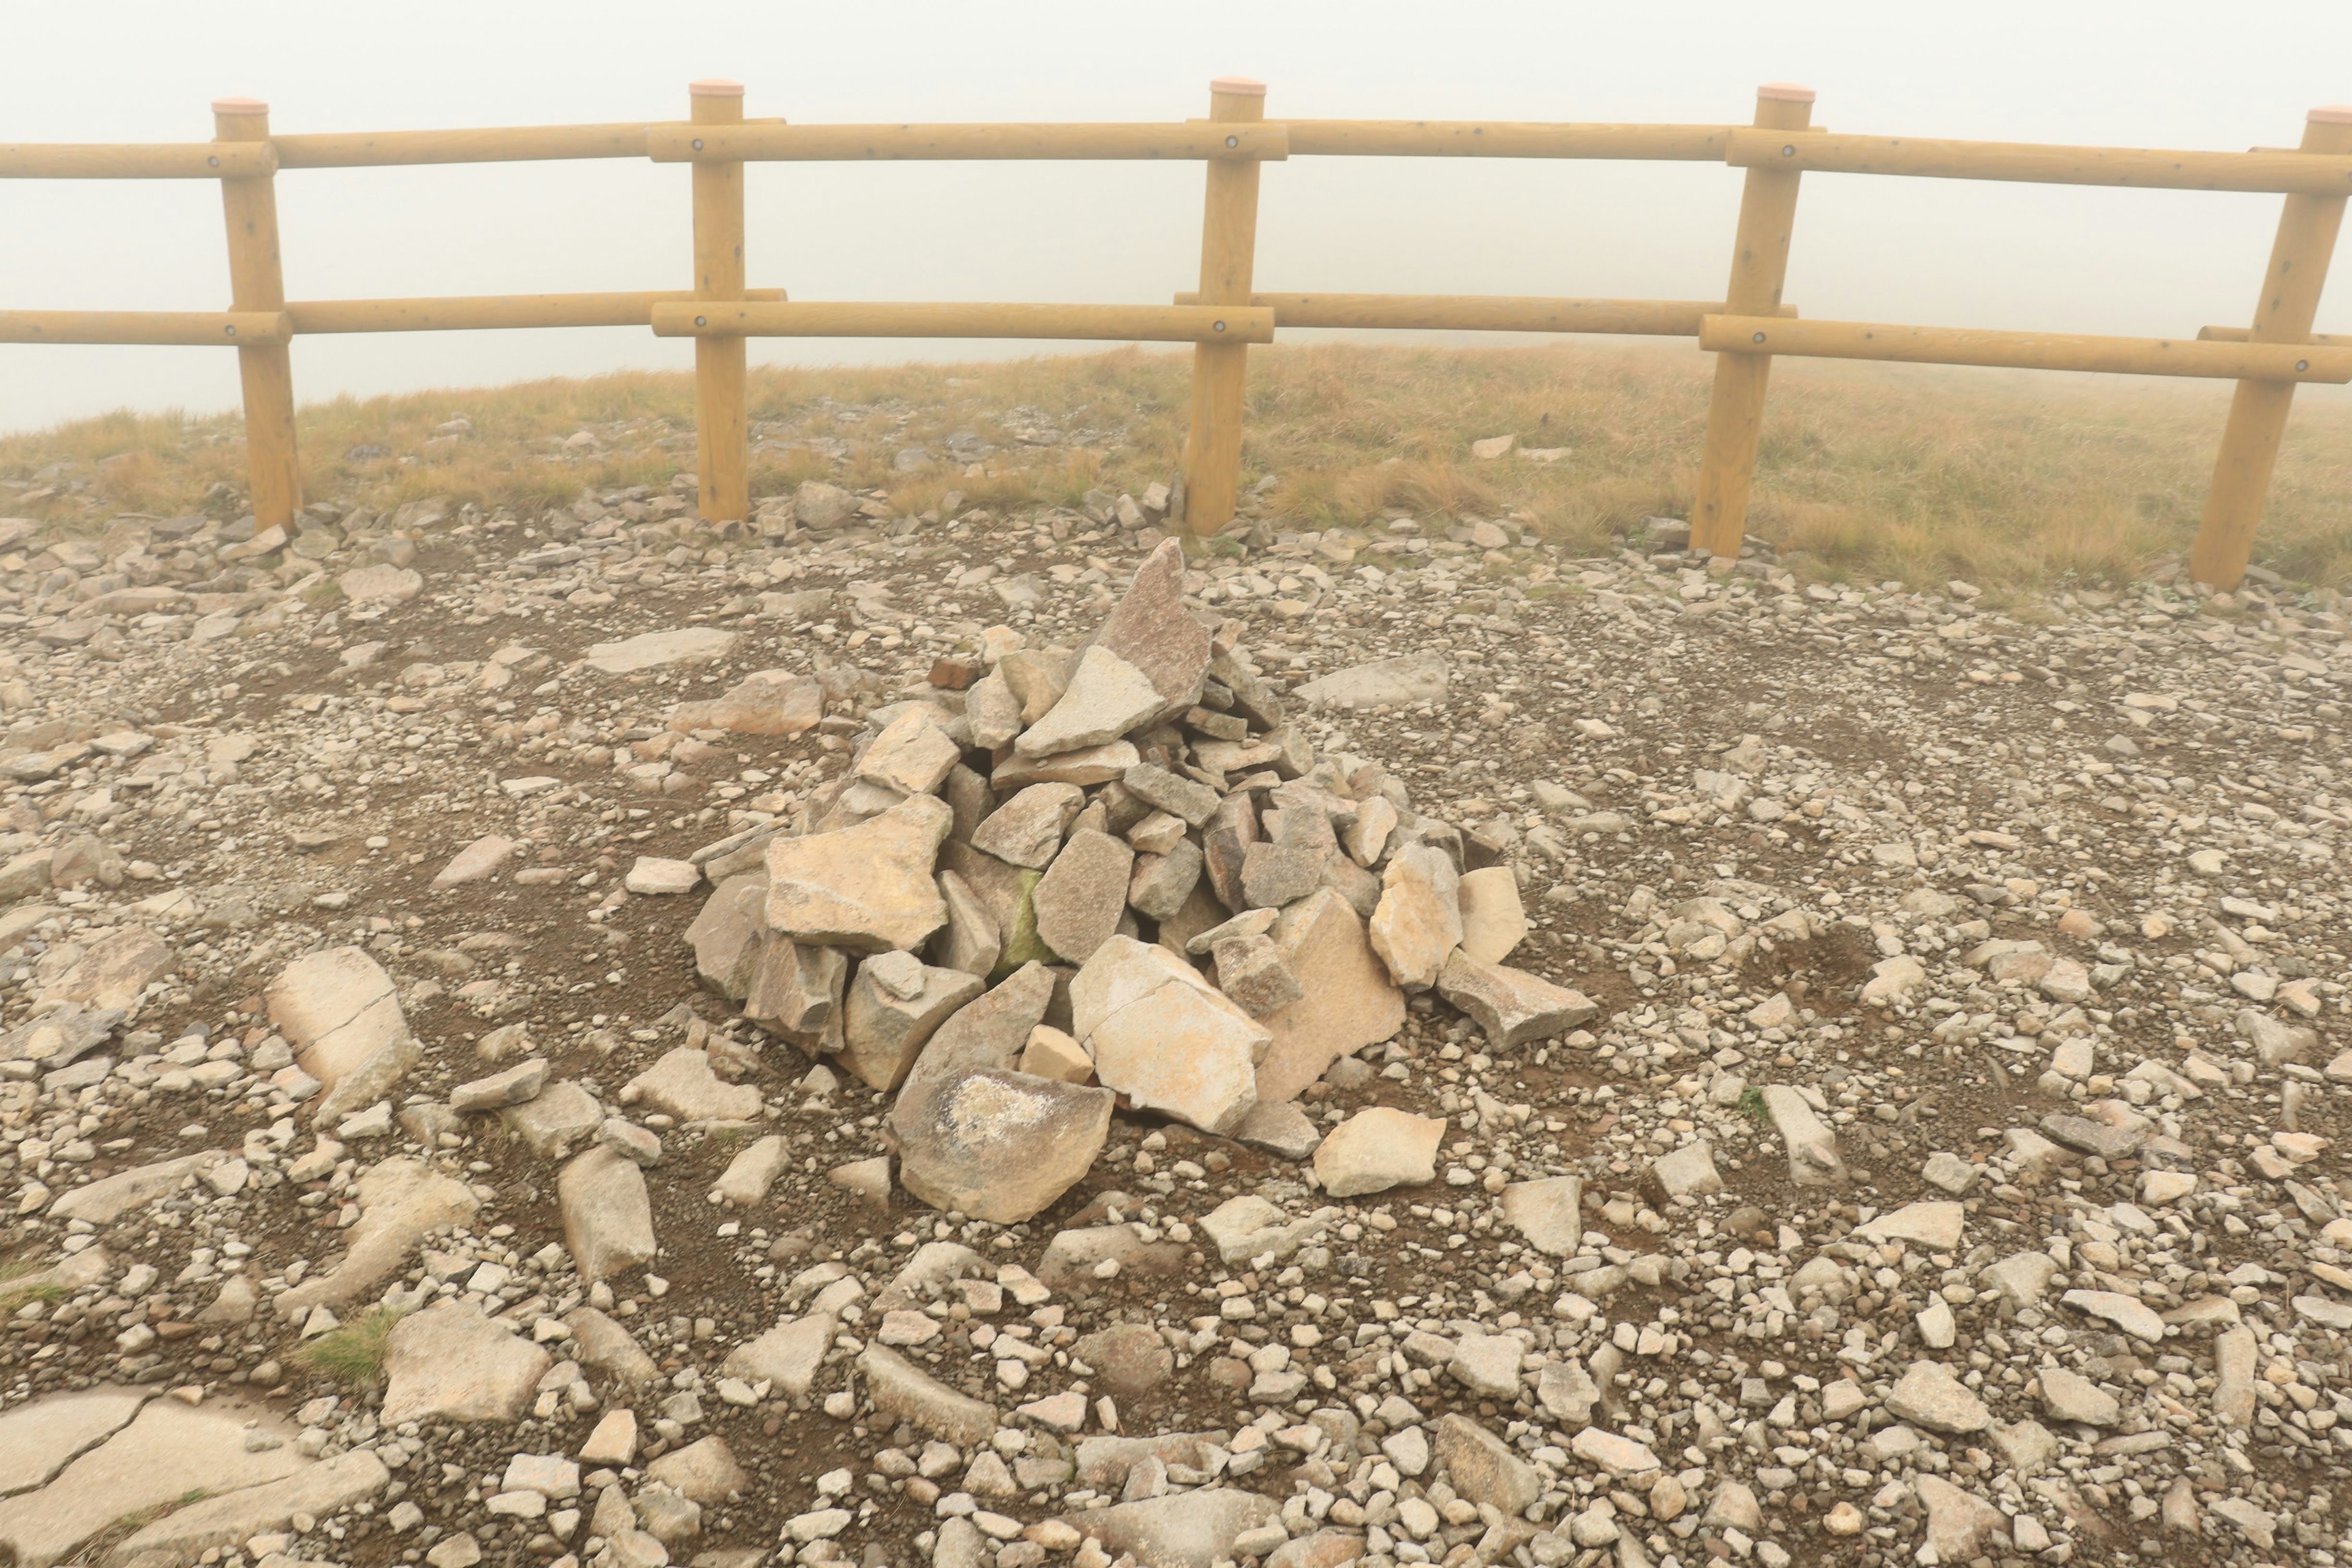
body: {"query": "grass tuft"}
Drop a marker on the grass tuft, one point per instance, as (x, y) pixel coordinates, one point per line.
(353, 1354)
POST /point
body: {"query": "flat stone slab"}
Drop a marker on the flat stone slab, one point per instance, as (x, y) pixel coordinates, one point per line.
(1186, 1530)
(900, 1388)
(1377, 1149)
(168, 1451)
(1383, 683)
(320, 1490)
(104, 1201)
(39, 1439)
(449, 1362)
(658, 650)
(402, 1201)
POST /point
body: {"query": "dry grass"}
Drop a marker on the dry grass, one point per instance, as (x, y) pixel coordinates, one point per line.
(353, 1354)
(2016, 481)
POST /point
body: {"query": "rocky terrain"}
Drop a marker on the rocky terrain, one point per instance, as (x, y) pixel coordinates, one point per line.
(978, 1040)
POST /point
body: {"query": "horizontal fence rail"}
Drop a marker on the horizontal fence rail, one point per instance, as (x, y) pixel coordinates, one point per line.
(2026, 350)
(886, 143)
(1819, 152)
(124, 161)
(1489, 313)
(1115, 323)
(173, 329)
(486, 312)
(1226, 313)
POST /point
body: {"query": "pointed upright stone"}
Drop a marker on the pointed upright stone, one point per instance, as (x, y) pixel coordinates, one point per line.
(1151, 629)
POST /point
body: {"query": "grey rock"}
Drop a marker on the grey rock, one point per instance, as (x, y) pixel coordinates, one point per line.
(1383, 683)
(865, 888)
(1081, 897)
(553, 1123)
(883, 1034)
(1513, 1006)
(449, 1362)
(898, 1388)
(608, 1222)
(1027, 829)
(1188, 1529)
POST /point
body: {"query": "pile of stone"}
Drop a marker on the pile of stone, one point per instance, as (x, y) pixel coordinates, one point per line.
(1056, 880)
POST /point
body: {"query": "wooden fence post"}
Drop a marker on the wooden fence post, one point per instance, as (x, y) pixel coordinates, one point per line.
(1760, 266)
(2250, 441)
(257, 282)
(722, 430)
(1213, 446)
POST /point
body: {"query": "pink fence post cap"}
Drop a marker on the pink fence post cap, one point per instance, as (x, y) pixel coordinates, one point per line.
(239, 106)
(1787, 92)
(1238, 86)
(2331, 114)
(715, 87)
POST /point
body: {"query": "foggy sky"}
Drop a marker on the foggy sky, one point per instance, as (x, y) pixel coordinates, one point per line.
(2165, 73)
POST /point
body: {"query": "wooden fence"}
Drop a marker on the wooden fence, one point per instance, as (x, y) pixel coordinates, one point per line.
(1745, 330)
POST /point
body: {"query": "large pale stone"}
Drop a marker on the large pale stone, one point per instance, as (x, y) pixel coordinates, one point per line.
(318, 1491)
(1106, 697)
(1482, 1466)
(1959, 1522)
(900, 1389)
(2071, 1397)
(1813, 1158)
(971, 940)
(1377, 1149)
(990, 1032)
(562, 1114)
(1122, 972)
(449, 1362)
(884, 1032)
(339, 1009)
(1512, 1006)
(1151, 629)
(725, 935)
(682, 1084)
(608, 1220)
(113, 973)
(869, 887)
(795, 989)
(476, 860)
(1081, 897)
(1187, 1051)
(167, 1452)
(997, 1145)
(1935, 1225)
(1419, 920)
(1929, 1395)
(402, 1201)
(660, 651)
(787, 1355)
(912, 754)
(753, 1172)
(1162, 883)
(1686, 1172)
(1350, 1000)
(1493, 920)
(1027, 829)
(1087, 766)
(40, 1438)
(108, 1198)
(1549, 1211)
(768, 702)
(1194, 1529)
(1387, 683)
(2128, 1313)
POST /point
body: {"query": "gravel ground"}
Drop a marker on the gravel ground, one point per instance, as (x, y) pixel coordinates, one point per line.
(1956, 1134)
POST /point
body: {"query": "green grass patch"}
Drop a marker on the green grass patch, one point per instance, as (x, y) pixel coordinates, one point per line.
(353, 1355)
